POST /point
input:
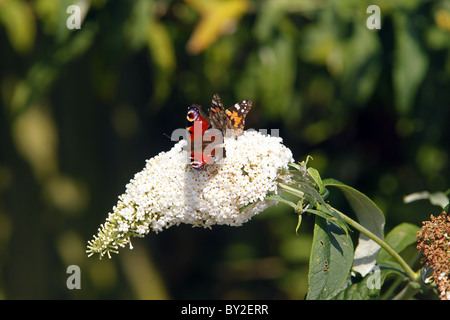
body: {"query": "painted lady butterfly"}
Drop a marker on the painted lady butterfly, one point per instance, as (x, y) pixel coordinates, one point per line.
(203, 128)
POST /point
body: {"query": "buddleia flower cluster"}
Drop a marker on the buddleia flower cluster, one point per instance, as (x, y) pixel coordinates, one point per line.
(169, 192)
(434, 243)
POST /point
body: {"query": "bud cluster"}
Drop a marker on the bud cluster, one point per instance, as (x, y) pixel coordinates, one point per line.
(434, 243)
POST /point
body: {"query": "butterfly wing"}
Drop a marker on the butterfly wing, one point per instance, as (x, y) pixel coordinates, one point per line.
(197, 123)
(237, 114)
(195, 116)
(232, 118)
(219, 119)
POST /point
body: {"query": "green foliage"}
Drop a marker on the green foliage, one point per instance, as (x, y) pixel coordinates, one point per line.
(363, 289)
(410, 62)
(399, 238)
(332, 253)
(330, 261)
(371, 218)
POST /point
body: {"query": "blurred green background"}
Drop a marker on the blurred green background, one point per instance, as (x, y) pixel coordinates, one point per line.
(81, 110)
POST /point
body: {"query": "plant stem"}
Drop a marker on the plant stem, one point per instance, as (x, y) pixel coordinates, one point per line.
(293, 191)
(407, 292)
(389, 293)
(411, 274)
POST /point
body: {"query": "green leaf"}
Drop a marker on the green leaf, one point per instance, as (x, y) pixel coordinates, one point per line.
(398, 239)
(368, 288)
(297, 166)
(323, 209)
(370, 217)
(278, 198)
(330, 261)
(410, 62)
(162, 53)
(317, 179)
(362, 65)
(334, 218)
(18, 19)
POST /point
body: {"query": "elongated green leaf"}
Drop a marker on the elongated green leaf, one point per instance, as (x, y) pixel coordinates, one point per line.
(298, 167)
(398, 238)
(316, 177)
(278, 198)
(330, 215)
(362, 64)
(410, 62)
(323, 209)
(330, 261)
(19, 22)
(370, 217)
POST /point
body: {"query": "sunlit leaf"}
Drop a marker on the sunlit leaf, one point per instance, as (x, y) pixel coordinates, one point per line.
(398, 239)
(319, 41)
(270, 12)
(48, 13)
(316, 177)
(35, 137)
(330, 262)
(19, 23)
(442, 18)
(136, 27)
(370, 217)
(217, 17)
(162, 52)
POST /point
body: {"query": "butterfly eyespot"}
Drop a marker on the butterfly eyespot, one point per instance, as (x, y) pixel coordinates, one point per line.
(191, 116)
(193, 113)
(197, 165)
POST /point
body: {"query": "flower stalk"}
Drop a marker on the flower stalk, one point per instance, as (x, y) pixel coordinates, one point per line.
(168, 191)
(413, 276)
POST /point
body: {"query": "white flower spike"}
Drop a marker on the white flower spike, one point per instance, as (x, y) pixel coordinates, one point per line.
(168, 191)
